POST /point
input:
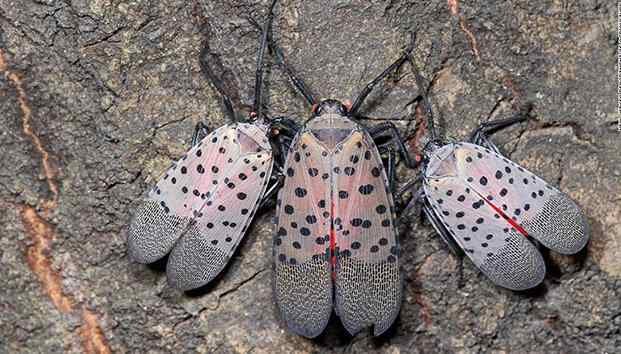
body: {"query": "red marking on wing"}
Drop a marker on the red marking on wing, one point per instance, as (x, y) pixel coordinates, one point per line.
(513, 223)
(332, 243)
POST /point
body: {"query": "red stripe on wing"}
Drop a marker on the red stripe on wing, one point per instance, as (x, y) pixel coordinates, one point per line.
(512, 222)
(332, 243)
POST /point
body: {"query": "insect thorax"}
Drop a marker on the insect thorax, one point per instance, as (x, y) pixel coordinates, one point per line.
(331, 128)
(253, 137)
(442, 161)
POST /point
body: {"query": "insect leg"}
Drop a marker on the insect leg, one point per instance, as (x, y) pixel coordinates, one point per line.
(390, 166)
(286, 123)
(285, 142)
(441, 230)
(489, 128)
(271, 190)
(395, 139)
(283, 145)
(393, 67)
(200, 131)
(390, 170)
(284, 148)
(418, 198)
(285, 130)
(409, 187)
(484, 141)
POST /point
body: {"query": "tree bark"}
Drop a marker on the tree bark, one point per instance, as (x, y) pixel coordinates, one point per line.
(98, 97)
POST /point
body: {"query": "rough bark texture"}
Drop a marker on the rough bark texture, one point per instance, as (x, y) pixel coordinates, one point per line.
(97, 97)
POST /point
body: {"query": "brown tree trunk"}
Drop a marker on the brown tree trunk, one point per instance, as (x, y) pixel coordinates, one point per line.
(97, 97)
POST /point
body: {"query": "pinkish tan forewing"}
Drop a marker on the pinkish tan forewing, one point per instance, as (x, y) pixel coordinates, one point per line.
(228, 169)
(491, 205)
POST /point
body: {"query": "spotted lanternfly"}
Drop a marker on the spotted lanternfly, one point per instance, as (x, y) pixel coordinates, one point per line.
(493, 209)
(200, 209)
(336, 244)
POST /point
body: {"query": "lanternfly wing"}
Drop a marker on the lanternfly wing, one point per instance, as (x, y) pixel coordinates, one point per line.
(335, 222)
(368, 282)
(168, 207)
(206, 247)
(491, 205)
(302, 280)
(216, 191)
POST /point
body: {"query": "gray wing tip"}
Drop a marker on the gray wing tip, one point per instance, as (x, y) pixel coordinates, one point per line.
(152, 232)
(581, 231)
(194, 262)
(368, 295)
(139, 244)
(303, 294)
(517, 266)
(560, 225)
(137, 252)
(580, 240)
(187, 275)
(381, 327)
(305, 331)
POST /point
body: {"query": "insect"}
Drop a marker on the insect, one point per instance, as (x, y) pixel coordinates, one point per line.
(202, 206)
(336, 244)
(494, 210)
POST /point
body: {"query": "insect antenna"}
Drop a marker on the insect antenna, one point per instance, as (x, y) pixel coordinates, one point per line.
(258, 86)
(389, 70)
(216, 81)
(280, 58)
(424, 92)
(297, 82)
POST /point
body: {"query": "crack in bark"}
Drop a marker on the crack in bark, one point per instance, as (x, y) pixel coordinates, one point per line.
(576, 129)
(357, 339)
(165, 124)
(104, 38)
(147, 143)
(425, 313)
(453, 6)
(239, 285)
(150, 139)
(561, 174)
(222, 295)
(18, 28)
(233, 289)
(42, 233)
(49, 171)
(119, 183)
